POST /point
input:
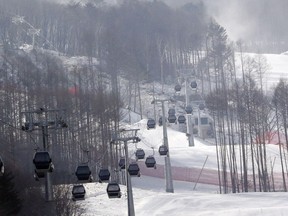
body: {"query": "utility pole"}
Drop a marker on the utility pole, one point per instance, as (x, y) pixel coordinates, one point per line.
(168, 172)
(130, 201)
(43, 119)
(48, 182)
(199, 124)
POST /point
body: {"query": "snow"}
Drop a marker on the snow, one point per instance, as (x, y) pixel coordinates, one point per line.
(184, 201)
(189, 197)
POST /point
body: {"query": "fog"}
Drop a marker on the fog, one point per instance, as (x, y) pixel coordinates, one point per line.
(260, 23)
(243, 19)
(255, 21)
(233, 16)
(251, 19)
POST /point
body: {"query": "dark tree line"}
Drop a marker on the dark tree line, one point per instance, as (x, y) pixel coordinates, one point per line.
(9, 199)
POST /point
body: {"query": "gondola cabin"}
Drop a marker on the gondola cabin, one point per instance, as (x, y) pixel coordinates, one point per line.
(171, 111)
(189, 109)
(150, 162)
(113, 190)
(172, 118)
(78, 192)
(122, 163)
(134, 169)
(1, 166)
(193, 85)
(151, 124)
(83, 173)
(140, 154)
(181, 119)
(163, 150)
(104, 175)
(177, 87)
(42, 161)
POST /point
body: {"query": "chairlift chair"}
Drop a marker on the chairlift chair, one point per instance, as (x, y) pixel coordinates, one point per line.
(104, 175)
(140, 154)
(150, 162)
(83, 173)
(78, 192)
(177, 87)
(181, 119)
(172, 118)
(151, 124)
(134, 169)
(189, 109)
(113, 190)
(163, 150)
(122, 163)
(43, 161)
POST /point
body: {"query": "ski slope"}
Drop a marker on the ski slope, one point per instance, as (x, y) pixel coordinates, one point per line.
(190, 197)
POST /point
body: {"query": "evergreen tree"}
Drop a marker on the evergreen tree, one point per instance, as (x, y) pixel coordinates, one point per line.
(10, 203)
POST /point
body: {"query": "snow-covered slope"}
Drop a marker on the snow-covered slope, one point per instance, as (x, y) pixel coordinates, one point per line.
(276, 66)
(189, 197)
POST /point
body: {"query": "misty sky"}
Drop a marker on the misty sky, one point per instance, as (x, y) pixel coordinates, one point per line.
(243, 19)
(231, 14)
(249, 19)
